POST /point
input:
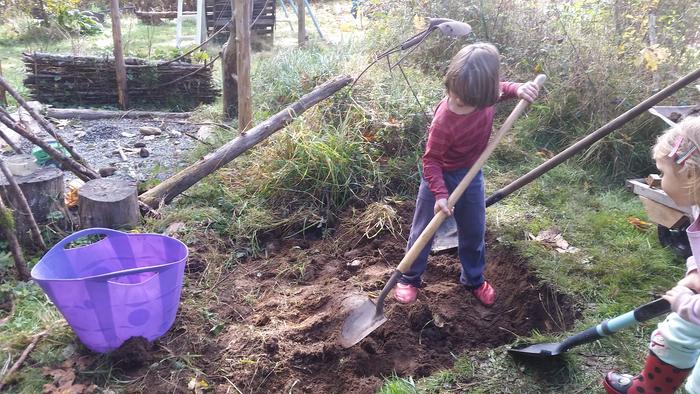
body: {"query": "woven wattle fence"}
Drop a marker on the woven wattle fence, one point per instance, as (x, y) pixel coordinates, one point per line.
(70, 81)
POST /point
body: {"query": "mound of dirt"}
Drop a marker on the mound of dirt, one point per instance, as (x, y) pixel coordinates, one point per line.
(284, 314)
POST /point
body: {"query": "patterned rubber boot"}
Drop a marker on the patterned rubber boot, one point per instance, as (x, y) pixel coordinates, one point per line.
(656, 377)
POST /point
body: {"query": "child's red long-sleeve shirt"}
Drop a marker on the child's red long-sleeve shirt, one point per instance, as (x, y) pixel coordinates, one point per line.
(456, 141)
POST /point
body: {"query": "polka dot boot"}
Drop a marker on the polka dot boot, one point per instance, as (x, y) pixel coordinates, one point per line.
(656, 377)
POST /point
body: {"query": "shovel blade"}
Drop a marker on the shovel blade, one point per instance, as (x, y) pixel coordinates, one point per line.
(361, 322)
(541, 350)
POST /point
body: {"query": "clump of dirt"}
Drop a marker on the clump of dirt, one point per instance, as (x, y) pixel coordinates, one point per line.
(284, 314)
(134, 353)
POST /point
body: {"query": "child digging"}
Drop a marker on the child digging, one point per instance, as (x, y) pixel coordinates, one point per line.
(458, 134)
(675, 345)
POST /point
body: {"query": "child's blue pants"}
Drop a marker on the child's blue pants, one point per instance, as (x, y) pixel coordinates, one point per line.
(470, 216)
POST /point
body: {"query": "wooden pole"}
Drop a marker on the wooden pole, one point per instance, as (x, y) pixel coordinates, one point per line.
(178, 183)
(119, 65)
(301, 15)
(245, 106)
(10, 143)
(7, 227)
(23, 205)
(228, 66)
(3, 98)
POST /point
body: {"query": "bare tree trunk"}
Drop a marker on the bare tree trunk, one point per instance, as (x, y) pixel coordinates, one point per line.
(173, 186)
(245, 106)
(7, 226)
(228, 67)
(301, 21)
(23, 204)
(3, 98)
(91, 114)
(119, 56)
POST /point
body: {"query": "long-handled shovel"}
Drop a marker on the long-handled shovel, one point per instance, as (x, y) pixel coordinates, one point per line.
(369, 316)
(608, 327)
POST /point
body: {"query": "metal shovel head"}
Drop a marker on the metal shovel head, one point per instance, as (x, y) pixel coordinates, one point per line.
(454, 29)
(361, 322)
(540, 350)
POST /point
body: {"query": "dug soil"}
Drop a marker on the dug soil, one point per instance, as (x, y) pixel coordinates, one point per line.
(272, 324)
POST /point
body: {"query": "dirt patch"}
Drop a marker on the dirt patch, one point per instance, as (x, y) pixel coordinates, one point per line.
(283, 315)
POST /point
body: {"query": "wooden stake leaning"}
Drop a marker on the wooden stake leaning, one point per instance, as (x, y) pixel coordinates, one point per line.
(24, 205)
(9, 142)
(8, 228)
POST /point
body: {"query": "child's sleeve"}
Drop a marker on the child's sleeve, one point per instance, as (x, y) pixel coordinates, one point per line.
(435, 148)
(687, 305)
(509, 90)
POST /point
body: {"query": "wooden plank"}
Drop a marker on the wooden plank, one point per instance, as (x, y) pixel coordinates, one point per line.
(663, 215)
(640, 188)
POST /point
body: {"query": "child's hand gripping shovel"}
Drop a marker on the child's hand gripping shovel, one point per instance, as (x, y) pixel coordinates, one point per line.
(369, 316)
(608, 327)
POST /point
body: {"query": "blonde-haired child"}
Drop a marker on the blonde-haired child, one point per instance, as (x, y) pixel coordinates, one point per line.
(675, 345)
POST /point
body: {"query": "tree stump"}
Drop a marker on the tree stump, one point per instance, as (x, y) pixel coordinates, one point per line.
(108, 202)
(43, 190)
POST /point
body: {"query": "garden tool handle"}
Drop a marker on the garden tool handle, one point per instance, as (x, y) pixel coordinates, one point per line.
(440, 216)
(84, 233)
(643, 313)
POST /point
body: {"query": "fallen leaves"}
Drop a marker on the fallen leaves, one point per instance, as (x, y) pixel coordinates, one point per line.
(639, 224)
(198, 385)
(64, 383)
(552, 239)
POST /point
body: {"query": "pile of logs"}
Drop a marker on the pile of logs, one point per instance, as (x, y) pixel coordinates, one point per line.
(66, 81)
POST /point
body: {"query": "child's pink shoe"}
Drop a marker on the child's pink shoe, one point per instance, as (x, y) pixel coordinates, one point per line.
(405, 293)
(485, 294)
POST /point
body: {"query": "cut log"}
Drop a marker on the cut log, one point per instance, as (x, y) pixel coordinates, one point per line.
(109, 202)
(173, 186)
(43, 191)
(91, 114)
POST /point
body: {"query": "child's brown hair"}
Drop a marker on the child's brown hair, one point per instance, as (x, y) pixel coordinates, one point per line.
(684, 140)
(473, 75)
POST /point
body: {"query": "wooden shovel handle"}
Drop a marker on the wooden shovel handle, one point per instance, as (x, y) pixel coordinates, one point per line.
(440, 216)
